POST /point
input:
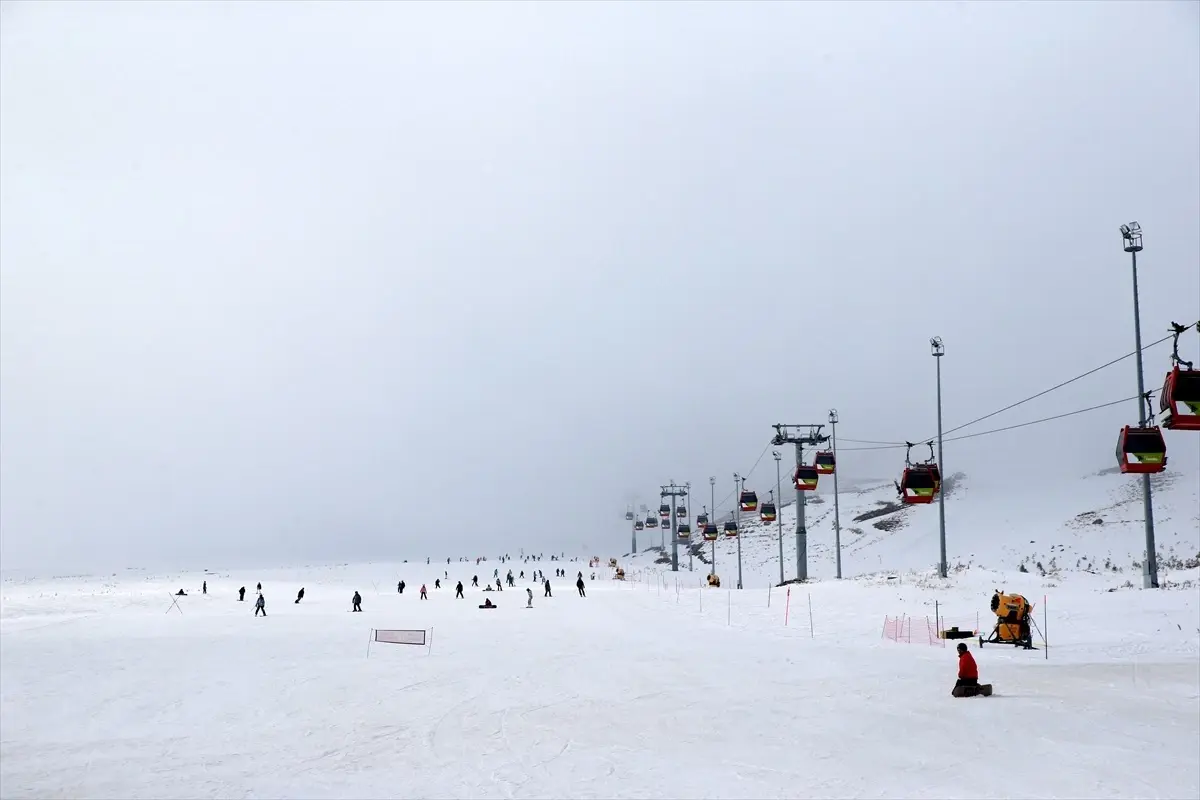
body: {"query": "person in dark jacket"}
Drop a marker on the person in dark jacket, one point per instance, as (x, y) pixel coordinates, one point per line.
(241, 594)
(579, 585)
(260, 586)
(546, 586)
(204, 588)
(260, 605)
(357, 601)
(458, 590)
(400, 587)
(437, 583)
(300, 595)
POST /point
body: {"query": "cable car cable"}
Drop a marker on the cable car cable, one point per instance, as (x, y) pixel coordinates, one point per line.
(1014, 427)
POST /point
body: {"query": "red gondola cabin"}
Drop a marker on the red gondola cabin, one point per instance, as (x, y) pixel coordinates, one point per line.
(824, 462)
(805, 478)
(748, 501)
(1179, 400)
(1141, 450)
(917, 485)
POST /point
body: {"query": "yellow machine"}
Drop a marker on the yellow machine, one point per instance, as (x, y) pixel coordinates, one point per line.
(1013, 616)
(714, 581)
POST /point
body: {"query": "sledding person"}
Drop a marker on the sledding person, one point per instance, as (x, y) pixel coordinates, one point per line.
(579, 585)
(260, 605)
(241, 594)
(357, 601)
(300, 595)
(458, 590)
(424, 593)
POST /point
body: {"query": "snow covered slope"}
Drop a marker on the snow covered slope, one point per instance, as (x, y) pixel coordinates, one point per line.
(642, 689)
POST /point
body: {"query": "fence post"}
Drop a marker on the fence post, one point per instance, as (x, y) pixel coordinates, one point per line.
(787, 606)
(811, 633)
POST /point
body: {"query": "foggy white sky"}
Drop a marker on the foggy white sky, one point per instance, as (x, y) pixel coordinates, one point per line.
(288, 282)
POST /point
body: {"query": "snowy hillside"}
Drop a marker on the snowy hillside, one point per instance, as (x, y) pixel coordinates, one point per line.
(1093, 524)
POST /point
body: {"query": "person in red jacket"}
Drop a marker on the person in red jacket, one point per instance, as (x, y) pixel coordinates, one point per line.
(968, 672)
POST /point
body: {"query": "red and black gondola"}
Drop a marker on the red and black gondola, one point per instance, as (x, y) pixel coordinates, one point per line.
(1141, 449)
(748, 501)
(805, 478)
(825, 462)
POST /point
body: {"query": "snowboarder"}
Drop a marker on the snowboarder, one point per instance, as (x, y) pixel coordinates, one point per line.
(579, 585)
(241, 594)
(528, 597)
(547, 587)
(356, 601)
(260, 605)
(437, 583)
(424, 593)
(475, 581)
(400, 587)
(458, 590)
(181, 593)
(488, 603)
(299, 595)
(499, 585)
(967, 684)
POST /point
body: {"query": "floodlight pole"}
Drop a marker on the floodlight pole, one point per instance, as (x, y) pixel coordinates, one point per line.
(813, 437)
(938, 350)
(837, 518)
(1131, 235)
(779, 512)
(737, 520)
(633, 529)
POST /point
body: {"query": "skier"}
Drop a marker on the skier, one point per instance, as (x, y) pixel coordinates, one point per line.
(260, 605)
(475, 581)
(458, 590)
(437, 583)
(499, 585)
(357, 601)
(547, 587)
(579, 585)
(400, 587)
(424, 594)
(300, 595)
(204, 588)
(260, 587)
(241, 594)
(528, 597)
